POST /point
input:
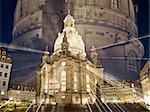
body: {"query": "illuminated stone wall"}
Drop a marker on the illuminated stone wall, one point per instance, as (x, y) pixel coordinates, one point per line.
(22, 93)
(122, 91)
(70, 81)
(145, 81)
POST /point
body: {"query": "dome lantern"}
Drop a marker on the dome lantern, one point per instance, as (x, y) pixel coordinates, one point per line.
(76, 44)
(69, 21)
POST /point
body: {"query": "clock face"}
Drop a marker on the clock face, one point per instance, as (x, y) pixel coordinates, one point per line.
(55, 18)
(63, 63)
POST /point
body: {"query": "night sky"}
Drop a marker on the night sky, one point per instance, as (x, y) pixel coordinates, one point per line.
(7, 8)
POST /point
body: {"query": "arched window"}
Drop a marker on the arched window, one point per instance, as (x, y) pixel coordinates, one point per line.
(3, 59)
(4, 53)
(63, 81)
(115, 3)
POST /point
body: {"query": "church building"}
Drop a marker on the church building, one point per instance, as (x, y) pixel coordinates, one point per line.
(66, 76)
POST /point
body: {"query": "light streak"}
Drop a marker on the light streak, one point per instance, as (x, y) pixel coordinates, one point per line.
(99, 101)
(124, 58)
(29, 107)
(89, 107)
(121, 43)
(20, 48)
(115, 103)
(33, 102)
(98, 107)
(7, 102)
(40, 105)
(25, 67)
(120, 107)
(103, 95)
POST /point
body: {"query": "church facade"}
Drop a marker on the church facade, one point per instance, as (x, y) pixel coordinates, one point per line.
(67, 76)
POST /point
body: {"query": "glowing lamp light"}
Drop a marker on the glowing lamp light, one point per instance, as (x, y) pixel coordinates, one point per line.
(33, 101)
(63, 97)
(2, 93)
(63, 63)
(11, 98)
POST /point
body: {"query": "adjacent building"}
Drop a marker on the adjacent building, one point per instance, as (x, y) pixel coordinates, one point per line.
(145, 82)
(5, 71)
(67, 76)
(122, 91)
(22, 93)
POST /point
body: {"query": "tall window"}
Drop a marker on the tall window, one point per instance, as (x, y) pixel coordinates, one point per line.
(132, 62)
(0, 74)
(63, 81)
(3, 58)
(21, 8)
(75, 79)
(87, 79)
(2, 65)
(115, 3)
(88, 83)
(7, 66)
(4, 83)
(5, 75)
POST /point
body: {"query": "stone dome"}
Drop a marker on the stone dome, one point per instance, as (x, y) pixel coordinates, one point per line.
(100, 22)
(123, 7)
(76, 44)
